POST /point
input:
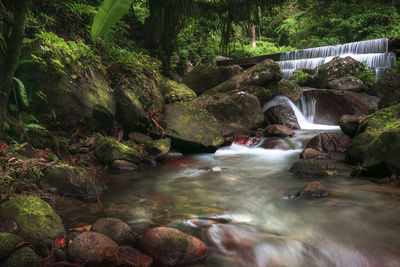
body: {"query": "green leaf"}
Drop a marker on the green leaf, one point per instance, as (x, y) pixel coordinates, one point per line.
(35, 126)
(22, 95)
(109, 13)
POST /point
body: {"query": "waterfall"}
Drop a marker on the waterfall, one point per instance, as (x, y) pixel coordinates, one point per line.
(305, 121)
(375, 53)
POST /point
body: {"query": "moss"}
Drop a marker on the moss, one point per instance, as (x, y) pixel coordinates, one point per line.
(140, 138)
(36, 220)
(110, 149)
(383, 120)
(160, 147)
(174, 92)
(24, 257)
(8, 242)
(290, 90)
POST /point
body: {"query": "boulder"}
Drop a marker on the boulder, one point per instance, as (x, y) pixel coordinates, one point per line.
(313, 190)
(335, 69)
(265, 74)
(37, 221)
(282, 115)
(233, 130)
(24, 257)
(332, 104)
(349, 83)
(8, 243)
(115, 229)
(206, 76)
(377, 146)
(311, 153)
(130, 112)
(263, 94)
(387, 89)
(334, 142)
(93, 249)
(159, 148)
(320, 168)
(140, 138)
(276, 130)
(109, 149)
(131, 257)
(124, 166)
(351, 123)
(174, 91)
(170, 246)
(289, 89)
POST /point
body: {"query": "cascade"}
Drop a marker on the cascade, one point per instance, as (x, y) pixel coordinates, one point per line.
(375, 53)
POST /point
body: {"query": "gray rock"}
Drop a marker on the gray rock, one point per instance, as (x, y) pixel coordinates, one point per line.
(117, 230)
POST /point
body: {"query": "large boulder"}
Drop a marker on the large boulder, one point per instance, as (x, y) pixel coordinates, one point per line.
(174, 91)
(387, 89)
(289, 89)
(115, 229)
(171, 247)
(282, 115)
(8, 244)
(335, 69)
(206, 76)
(332, 104)
(351, 123)
(330, 142)
(37, 221)
(376, 149)
(24, 257)
(109, 149)
(350, 83)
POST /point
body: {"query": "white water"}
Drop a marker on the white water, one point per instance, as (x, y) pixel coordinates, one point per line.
(305, 124)
(373, 52)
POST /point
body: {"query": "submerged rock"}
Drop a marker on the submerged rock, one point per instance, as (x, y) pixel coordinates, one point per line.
(115, 229)
(170, 246)
(282, 115)
(320, 168)
(313, 190)
(276, 130)
(330, 142)
(387, 89)
(24, 257)
(351, 123)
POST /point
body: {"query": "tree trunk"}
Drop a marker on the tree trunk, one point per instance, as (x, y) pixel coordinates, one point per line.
(14, 46)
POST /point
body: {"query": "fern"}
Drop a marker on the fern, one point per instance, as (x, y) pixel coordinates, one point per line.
(109, 13)
(80, 9)
(21, 91)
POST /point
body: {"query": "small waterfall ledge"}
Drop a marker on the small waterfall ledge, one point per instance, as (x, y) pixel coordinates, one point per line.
(375, 53)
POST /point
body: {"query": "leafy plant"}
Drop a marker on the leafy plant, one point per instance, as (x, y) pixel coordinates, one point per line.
(21, 92)
(367, 76)
(300, 78)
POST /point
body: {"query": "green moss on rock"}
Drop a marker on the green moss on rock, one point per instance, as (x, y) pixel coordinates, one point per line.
(160, 147)
(290, 90)
(110, 149)
(8, 242)
(174, 92)
(24, 257)
(140, 138)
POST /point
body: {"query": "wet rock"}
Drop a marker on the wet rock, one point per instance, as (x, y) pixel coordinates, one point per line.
(37, 222)
(117, 230)
(387, 89)
(351, 123)
(93, 249)
(131, 257)
(349, 83)
(171, 247)
(289, 89)
(140, 138)
(159, 148)
(320, 168)
(282, 115)
(174, 91)
(247, 141)
(24, 257)
(311, 153)
(124, 166)
(110, 149)
(276, 130)
(330, 142)
(276, 144)
(206, 76)
(313, 190)
(8, 243)
(332, 104)
(233, 131)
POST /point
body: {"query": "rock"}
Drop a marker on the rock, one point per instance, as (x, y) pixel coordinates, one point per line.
(349, 83)
(24, 257)
(290, 90)
(377, 146)
(8, 243)
(37, 222)
(140, 138)
(130, 111)
(330, 142)
(321, 168)
(109, 149)
(276, 144)
(332, 104)
(206, 76)
(263, 94)
(247, 141)
(233, 130)
(387, 89)
(276, 130)
(171, 247)
(117, 230)
(174, 92)
(8, 227)
(124, 166)
(282, 115)
(311, 153)
(131, 257)
(93, 249)
(59, 255)
(159, 148)
(263, 74)
(192, 129)
(67, 179)
(350, 124)
(335, 69)
(313, 190)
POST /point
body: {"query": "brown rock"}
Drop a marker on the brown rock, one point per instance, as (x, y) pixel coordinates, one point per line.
(276, 130)
(124, 166)
(282, 115)
(313, 190)
(276, 144)
(351, 123)
(171, 247)
(130, 257)
(115, 229)
(330, 142)
(311, 153)
(349, 83)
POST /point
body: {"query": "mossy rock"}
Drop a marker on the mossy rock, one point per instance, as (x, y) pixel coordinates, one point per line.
(140, 138)
(264, 95)
(8, 243)
(376, 150)
(24, 257)
(37, 221)
(387, 89)
(160, 147)
(109, 149)
(175, 92)
(290, 90)
(192, 128)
